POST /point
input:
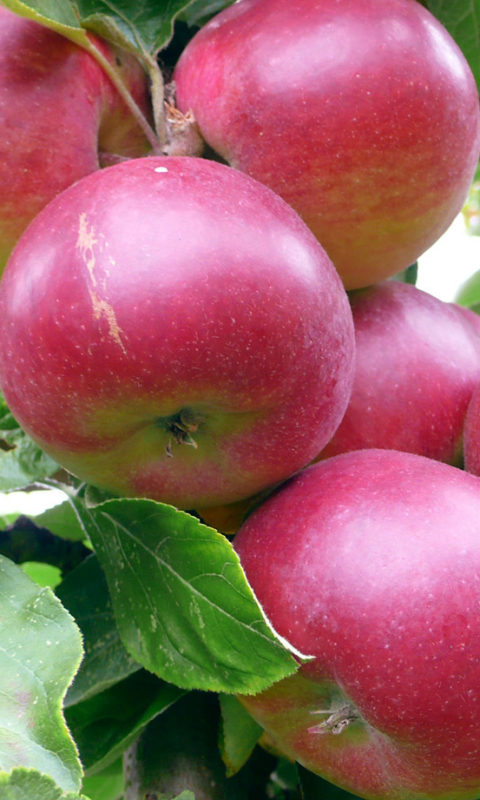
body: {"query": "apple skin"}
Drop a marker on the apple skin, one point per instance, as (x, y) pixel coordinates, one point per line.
(370, 563)
(169, 301)
(362, 115)
(417, 366)
(471, 435)
(58, 110)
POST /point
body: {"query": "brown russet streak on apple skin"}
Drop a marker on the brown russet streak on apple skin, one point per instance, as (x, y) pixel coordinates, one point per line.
(248, 326)
(86, 243)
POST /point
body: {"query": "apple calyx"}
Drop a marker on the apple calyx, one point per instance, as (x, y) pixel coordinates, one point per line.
(337, 720)
(180, 426)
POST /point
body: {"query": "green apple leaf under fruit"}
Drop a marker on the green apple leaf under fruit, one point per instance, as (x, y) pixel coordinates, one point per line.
(239, 733)
(40, 651)
(84, 592)
(29, 784)
(461, 18)
(182, 604)
(21, 461)
(105, 725)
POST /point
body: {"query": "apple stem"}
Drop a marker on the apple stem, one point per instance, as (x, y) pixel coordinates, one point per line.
(158, 101)
(152, 137)
(174, 133)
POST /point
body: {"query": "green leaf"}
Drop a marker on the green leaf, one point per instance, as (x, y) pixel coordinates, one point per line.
(105, 725)
(40, 650)
(62, 521)
(462, 20)
(140, 26)
(183, 606)
(200, 11)
(43, 574)
(21, 460)
(107, 784)
(469, 292)
(408, 275)
(28, 784)
(239, 734)
(84, 592)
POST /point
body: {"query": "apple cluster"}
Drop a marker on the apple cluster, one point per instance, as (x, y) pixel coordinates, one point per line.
(179, 328)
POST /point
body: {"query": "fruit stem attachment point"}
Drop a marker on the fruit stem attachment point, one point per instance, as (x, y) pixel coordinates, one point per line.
(180, 427)
(337, 720)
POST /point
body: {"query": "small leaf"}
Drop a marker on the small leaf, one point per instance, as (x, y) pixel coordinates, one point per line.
(108, 784)
(43, 574)
(84, 593)
(40, 650)
(200, 11)
(22, 462)
(469, 292)
(105, 725)
(183, 606)
(62, 521)
(239, 734)
(462, 20)
(28, 784)
(408, 275)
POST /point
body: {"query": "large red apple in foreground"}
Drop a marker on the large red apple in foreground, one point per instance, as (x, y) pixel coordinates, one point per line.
(170, 302)
(363, 115)
(58, 110)
(417, 366)
(370, 562)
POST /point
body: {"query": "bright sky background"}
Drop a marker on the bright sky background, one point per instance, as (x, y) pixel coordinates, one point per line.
(451, 260)
(442, 270)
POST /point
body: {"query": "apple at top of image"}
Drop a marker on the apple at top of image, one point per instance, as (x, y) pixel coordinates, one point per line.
(362, 115)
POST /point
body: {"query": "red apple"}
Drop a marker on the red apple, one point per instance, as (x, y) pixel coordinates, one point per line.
(370, 563)
(468, 313)
(167, 302)
(58, 109)
(417, 366)
(363, 115)
(471, 435)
